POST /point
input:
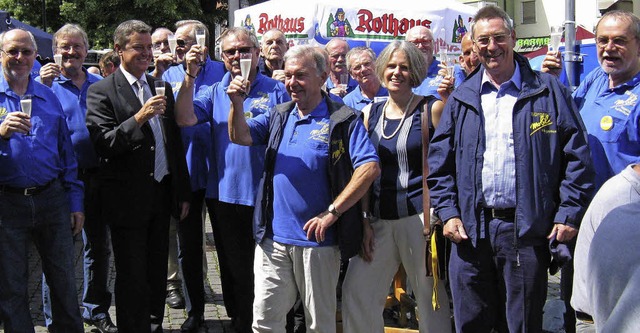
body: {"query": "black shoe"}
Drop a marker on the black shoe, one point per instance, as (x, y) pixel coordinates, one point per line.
(104, 325)
(192, 324)
(175, 300)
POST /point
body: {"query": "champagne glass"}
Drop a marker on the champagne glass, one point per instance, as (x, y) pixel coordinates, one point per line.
(555, 38)
(173, 43)
(25, 105)
(200, 37)
(344, 81)
(57, 58)
(245, 65)
(160, 87)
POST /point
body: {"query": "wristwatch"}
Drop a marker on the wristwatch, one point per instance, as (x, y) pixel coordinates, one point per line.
(332, 209)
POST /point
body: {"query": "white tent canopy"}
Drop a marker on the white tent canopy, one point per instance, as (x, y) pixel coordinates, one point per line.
(371, 21)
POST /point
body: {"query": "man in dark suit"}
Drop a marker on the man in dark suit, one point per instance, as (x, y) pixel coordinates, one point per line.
(144, 176)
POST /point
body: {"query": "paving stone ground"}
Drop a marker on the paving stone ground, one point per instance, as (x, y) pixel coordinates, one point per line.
(216, 319)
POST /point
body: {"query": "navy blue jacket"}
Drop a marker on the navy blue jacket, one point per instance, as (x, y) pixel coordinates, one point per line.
(554, 175)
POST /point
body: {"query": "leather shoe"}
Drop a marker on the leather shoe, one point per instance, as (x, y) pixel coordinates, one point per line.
(192, 324)
(175, 300)
(104, 325)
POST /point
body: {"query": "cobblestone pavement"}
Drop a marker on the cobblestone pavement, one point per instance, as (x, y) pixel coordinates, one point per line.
(216, 319)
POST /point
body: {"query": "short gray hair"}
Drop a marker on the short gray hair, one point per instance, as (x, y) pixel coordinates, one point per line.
(417, 64)
(240, 32)
(194, 24)
(126, 28)
(357, 51)
(73, 30)
(308, 51)
(490, 12)
(620, 15)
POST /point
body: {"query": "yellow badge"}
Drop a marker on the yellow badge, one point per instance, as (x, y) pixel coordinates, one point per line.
(606, 123)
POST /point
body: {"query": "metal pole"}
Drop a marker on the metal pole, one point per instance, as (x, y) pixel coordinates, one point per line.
(233, 5)
(44, 15)
(571, 58)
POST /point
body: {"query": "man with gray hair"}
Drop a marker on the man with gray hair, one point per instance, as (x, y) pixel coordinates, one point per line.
(40, 195)
(337, 50)
(70, 82)
(143, 175)
(319, 163)
(500, 202)
(238, 168)
(274, 45)
(197, 141)
(361, 62)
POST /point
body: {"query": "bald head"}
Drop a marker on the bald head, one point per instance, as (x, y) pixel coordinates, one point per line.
(337, 50)
(468, 59)
(422, 38)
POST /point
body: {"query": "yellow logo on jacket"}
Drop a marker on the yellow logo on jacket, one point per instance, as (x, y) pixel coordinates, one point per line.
(544, 120)
(3, 113)
(339, 150)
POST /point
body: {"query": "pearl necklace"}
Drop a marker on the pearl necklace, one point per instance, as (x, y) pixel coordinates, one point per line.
(404, 116)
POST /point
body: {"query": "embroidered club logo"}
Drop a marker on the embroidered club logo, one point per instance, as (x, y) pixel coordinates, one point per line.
(625, 106)
(544, 120)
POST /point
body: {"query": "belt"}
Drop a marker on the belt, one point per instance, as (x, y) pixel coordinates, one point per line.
(500, 213)
(29, 191)
(584, 317)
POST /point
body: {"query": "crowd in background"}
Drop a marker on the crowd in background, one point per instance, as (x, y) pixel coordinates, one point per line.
(322, 170)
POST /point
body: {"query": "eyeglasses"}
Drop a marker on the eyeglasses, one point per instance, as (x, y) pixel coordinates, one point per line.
(13, 53)
(231, 52)
(483, 41)
(181, 42)
(158, 45)
(67, 48)
(618, 42)
(423, 42)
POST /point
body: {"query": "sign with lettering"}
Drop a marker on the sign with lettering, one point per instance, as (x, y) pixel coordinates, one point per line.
(370, 20)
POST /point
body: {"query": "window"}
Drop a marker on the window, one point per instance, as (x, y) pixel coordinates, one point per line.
(528, 12)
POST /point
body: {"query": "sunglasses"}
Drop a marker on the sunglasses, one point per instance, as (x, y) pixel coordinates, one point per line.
(232, 52)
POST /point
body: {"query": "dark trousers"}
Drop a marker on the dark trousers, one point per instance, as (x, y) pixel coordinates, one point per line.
(96, 297)
(490, 290)
(190, 254)
(235, 246)
(140, 250)
(44, 220)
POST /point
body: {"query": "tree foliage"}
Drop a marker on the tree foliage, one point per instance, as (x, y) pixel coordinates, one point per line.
(100, 17)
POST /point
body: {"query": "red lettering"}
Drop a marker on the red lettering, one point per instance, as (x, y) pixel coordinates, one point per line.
(387, 23)
(287, 25)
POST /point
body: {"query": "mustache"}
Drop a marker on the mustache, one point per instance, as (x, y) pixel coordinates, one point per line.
(341, 64)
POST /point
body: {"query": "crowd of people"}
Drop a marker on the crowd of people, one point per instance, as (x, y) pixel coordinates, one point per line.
(318, 188)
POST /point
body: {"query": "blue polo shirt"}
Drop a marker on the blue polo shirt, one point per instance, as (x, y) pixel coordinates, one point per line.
(612, 120)
(353, 84)
(74, 106)
(238, 167)
(197, 139)
(46, 154)
(358, 101)
(429, 85)
(301, 180)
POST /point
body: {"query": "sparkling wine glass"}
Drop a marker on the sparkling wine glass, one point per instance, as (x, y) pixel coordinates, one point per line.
(555, 38)
(25, 105)
(173, 43)
(160, 87)
(245, 65)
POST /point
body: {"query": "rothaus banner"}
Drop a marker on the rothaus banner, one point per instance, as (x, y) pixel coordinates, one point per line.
(357, 21)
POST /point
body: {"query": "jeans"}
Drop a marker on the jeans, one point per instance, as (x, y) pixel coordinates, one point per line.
(45, 219)
(96, 297)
